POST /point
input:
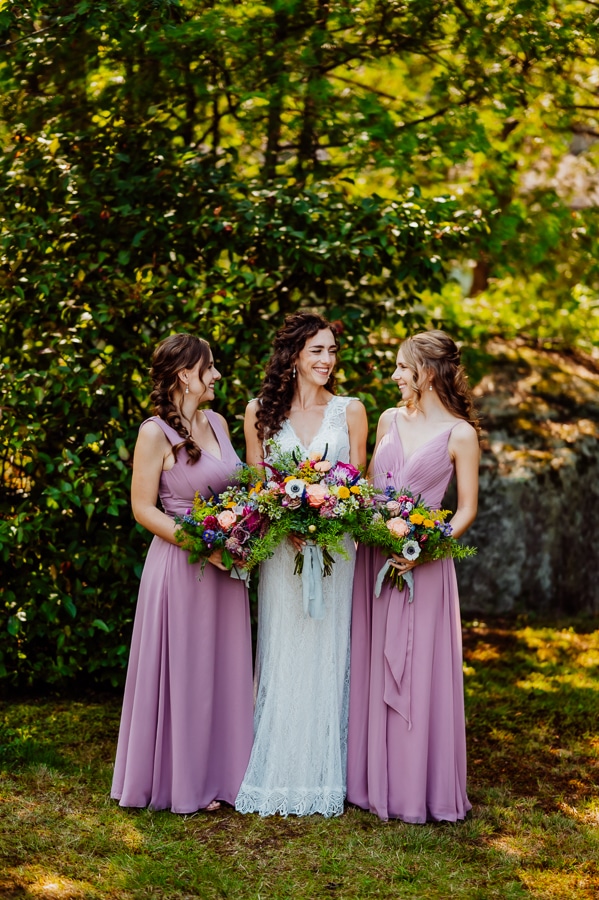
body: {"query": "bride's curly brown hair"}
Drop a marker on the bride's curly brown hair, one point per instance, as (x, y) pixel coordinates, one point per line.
(174, 353)
(276, 393)
(437, 353)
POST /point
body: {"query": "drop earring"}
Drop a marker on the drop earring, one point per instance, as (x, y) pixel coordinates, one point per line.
(293, 373)
(187, 389)
(430, 387)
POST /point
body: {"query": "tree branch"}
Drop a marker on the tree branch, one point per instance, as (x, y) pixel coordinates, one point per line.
(28, 37)
(440, 112)
(365, 87)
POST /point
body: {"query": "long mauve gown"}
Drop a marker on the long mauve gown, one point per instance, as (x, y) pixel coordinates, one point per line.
(187, 722)
(407, 741)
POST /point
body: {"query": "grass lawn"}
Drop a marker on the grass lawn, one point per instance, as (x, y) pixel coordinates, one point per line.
(532, 695)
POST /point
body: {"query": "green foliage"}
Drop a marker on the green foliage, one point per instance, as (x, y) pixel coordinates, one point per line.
(211, 166)
(513, 308)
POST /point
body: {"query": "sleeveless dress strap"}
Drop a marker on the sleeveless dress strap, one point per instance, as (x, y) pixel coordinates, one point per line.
(171, 434)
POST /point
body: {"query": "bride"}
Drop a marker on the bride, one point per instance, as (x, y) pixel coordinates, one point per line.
(298, 760)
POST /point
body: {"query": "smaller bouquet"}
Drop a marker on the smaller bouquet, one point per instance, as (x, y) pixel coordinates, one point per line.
(402, 524)
(230, 522)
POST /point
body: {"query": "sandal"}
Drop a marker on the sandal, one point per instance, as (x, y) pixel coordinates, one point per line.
(212, 806)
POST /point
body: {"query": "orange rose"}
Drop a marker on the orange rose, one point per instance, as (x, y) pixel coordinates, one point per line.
(398, 527)
(316, 494)
(226, 519)
(323, 465)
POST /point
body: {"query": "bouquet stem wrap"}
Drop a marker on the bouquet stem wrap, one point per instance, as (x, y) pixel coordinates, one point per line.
(312, 575)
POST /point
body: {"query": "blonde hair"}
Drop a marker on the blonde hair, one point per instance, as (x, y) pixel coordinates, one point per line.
(438, 355)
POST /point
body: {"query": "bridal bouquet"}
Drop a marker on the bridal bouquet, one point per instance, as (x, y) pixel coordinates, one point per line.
(319, 501)
(401, 523)
(230, 522)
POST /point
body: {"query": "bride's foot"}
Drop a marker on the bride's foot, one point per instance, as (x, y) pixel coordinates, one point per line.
(213, 806)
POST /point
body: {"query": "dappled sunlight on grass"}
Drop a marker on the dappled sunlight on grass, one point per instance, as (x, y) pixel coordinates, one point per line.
(531, 698)
(537, 681)
(37, 882)
(545, 885)
(126, 832)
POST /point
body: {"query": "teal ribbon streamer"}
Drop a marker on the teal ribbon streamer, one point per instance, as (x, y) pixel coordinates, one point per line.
(312, 575)
(378, 584)
(241, 575)
(408, 577)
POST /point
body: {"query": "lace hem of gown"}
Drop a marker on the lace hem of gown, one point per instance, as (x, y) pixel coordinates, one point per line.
(290, 802)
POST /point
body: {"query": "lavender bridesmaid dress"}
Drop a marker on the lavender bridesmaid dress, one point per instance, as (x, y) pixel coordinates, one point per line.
(187, 722)
(407, 741)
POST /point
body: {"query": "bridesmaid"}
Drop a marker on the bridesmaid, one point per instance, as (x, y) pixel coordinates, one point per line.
(407, 742)
(186, 726)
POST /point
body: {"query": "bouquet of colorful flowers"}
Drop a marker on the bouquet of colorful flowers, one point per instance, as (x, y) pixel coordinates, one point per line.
(230, 522)
(401, 523)
(317, 500)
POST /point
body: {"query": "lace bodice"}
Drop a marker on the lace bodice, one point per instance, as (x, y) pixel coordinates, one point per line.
(332, 436)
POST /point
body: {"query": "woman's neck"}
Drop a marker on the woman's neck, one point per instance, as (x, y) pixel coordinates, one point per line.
(308, 396)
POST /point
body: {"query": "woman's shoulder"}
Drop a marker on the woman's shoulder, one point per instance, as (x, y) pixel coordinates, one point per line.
(154, 425)
(155, 431)
(389, 415)
(350, 404)
(461, 430)
(463, 439)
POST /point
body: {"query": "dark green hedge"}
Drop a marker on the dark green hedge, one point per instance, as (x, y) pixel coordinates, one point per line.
(137, 198)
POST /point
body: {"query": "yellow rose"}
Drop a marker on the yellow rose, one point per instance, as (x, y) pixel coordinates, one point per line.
(416, 518)
(428, 523)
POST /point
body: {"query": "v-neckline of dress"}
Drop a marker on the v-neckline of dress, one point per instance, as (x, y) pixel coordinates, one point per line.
(216, 438)
(300, 443)
(407, 459)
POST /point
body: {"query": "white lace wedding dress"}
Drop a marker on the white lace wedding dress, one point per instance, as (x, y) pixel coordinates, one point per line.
(298, 760)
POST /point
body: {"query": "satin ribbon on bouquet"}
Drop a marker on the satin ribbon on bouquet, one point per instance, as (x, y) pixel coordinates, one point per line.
(240, 574)
(312, 575)
(407, 576)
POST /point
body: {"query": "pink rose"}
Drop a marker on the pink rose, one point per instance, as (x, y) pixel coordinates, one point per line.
(393, 506)
(323, 465)
(398, 527)
(226, 519)
(316, 494)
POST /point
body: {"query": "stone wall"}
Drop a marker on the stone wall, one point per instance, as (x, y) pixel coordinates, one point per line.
(537, 529)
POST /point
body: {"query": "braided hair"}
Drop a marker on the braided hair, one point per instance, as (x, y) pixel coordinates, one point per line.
(439, 355)
(177, 352)
(276, 393)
